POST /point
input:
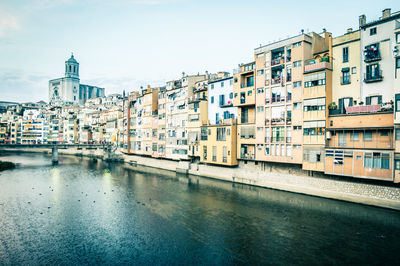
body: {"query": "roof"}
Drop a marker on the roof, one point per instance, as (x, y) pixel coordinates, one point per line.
(72, 59)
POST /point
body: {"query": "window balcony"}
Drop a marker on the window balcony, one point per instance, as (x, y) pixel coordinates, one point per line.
(276, 80)
(373, 77)
(371, 55)
(277, 121)
(317, 65)
(277, 61)
(246, 85)
(277, 99)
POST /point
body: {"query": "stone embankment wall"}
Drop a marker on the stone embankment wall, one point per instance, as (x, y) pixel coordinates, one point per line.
(280, 177)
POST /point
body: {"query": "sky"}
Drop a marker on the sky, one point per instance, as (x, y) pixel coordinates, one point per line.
(124, 44)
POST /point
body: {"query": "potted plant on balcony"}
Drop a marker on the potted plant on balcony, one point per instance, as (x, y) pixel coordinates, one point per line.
(332, 106)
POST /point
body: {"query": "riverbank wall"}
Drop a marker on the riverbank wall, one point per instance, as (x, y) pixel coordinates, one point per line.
(277, 177)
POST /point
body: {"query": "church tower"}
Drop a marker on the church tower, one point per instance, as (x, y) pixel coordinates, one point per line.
(71, 68)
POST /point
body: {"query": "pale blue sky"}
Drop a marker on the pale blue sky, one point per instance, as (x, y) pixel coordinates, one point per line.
(125, 44)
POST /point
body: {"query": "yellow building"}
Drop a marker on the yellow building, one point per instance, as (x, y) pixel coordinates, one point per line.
(346, 70)
(218, 143)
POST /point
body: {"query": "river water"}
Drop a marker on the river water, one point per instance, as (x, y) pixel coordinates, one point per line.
(87, 212)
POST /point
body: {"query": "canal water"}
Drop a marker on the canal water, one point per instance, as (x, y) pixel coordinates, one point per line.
(87, 212)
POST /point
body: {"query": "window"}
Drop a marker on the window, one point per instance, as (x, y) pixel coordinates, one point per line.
(373, 100)
(260, 109)
(397, 164)
(297, 106)
(266, 150)
(354, 136)
(222, 84)
(354, 70)
(342, 138)
(250, 81)
(373, 72)
(398, 37)
(297, 44)
(397, 134)
(345, 76)
(214, 153)
(297, 64)
(249, 93)
(377, 160)
(314, 80)
(260, 72)
(288, 150)
(384, 133)
(230, 82)
(345, 54)
(297, 84)
(221, 134)
(368, 135)
(205, 153)
(398, 62)
(372, 31)
(212, 99)
(212, 86)
(231, 95)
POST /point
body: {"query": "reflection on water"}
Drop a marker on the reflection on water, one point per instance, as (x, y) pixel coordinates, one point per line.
(85, 211)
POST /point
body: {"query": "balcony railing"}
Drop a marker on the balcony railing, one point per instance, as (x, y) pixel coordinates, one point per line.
(276, 80)
(315, 65)
(226, 104)
(371, 55)
(277, 99)
(275, 121)
(246, 85)
(246, 156)
(277, 61)
(373, 77)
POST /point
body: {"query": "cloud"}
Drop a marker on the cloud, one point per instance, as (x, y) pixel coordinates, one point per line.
(17, 85)
(7, 22)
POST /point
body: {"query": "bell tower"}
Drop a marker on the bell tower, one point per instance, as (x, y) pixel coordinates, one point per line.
(71, 68)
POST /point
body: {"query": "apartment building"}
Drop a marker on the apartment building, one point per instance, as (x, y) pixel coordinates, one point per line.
(3, 132)
(197, 116)
(131, 123)
(244, 98)
(218, 137)
(161, 122)
(279, 100)
(34, 127)
(317, 92)
(360, 128)
(177, 115)
(149, 98)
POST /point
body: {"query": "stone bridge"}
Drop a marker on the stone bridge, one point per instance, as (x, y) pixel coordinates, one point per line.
(107, 148)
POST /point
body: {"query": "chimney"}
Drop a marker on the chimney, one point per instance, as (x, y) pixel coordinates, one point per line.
(362, 20)
(386, 13)
(349, 30)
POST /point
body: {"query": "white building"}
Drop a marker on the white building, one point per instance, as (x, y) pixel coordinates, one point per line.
(380, 58)
(220, 100)
(68, 90)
